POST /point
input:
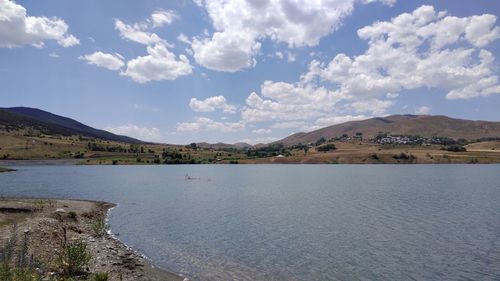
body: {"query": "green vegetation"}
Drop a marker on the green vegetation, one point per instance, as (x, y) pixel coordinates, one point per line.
(326, 147)
(17, 264)
(100, 227)
(268, 151)
(101, 276)
(455, 148)
(74, 258)
(72, 215)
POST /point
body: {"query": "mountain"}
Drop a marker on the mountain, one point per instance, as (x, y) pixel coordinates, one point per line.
(422, 125)
(48, 123)
(222, 146)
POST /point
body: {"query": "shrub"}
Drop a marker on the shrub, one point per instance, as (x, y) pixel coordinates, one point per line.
(101, 276)
(114, 162)
(100, 227)
(455, 148)
(403, 156)
(326, 147)
(72, 215)
(74, 257)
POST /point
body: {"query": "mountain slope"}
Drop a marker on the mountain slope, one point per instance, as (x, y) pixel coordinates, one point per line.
(49, 123)
(422, 125)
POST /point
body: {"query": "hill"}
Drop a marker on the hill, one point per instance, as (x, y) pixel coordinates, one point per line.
(422, 125)
(19, 118)
(223, 146)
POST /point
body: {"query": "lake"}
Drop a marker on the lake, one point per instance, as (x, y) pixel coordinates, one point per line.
(294, 222)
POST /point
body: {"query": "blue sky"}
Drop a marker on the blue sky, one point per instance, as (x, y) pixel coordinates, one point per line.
(255, 70)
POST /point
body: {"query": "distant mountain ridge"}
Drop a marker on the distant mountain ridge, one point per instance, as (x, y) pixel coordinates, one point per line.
(220, 145)
(49, 123)
(422, 125)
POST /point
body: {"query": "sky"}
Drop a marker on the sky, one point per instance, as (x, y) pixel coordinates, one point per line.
(253, 71)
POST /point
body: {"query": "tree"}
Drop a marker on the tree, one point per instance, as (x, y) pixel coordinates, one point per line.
(320, 141)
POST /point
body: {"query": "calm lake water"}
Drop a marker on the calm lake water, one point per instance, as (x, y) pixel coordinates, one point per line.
(294, 222)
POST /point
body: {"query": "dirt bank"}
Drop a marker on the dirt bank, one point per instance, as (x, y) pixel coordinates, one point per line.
(43, 227)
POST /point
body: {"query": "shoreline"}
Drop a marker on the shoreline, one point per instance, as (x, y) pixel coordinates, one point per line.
(262, 161)
(47, 222)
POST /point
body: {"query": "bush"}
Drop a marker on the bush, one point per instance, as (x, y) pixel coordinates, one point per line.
(72, 215)
(114, 162)
(455, 148)
(403, 156)
(100, 227)
(74, 258)
(101, 276)
(326, 147)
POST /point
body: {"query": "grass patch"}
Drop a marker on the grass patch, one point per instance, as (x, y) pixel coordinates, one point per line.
(100, 227)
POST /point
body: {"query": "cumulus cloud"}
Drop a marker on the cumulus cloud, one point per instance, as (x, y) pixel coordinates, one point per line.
(211, 104)
(241, 25)
(286, 101)
(423, 110)
(207, 124)
(262, 131)
(226, 51)
(137, 33)
(109, 61)
(159, 64)
(161, 18)
(259, 140)
(422, 49)
(18, 29)
(142, 133)
(332, 120)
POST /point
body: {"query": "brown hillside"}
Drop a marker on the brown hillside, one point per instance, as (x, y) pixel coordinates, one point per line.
(422, 125)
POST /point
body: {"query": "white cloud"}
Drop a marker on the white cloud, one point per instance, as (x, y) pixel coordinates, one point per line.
(421, 49)
(142, 133)
(225, 51)
(374, 106)
(291, 57)
(109, 61)
(289, 125)
(54, 55)
(286, 102)
(161, 18)
(211, 104)
(328, 121)
(183, 38)
(159, 64)
(207, 124)
(423, 110)
(18, 29)
(241, 25)
(254, 141)
(262, 131)
(137, 33)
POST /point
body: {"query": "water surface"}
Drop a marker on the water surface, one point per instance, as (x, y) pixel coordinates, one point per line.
(294, 222)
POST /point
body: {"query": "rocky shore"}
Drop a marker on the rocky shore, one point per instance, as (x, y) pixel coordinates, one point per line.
(40, 229)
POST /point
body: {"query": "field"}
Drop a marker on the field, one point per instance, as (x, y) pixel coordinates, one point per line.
(369, 153)
(19, 145)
